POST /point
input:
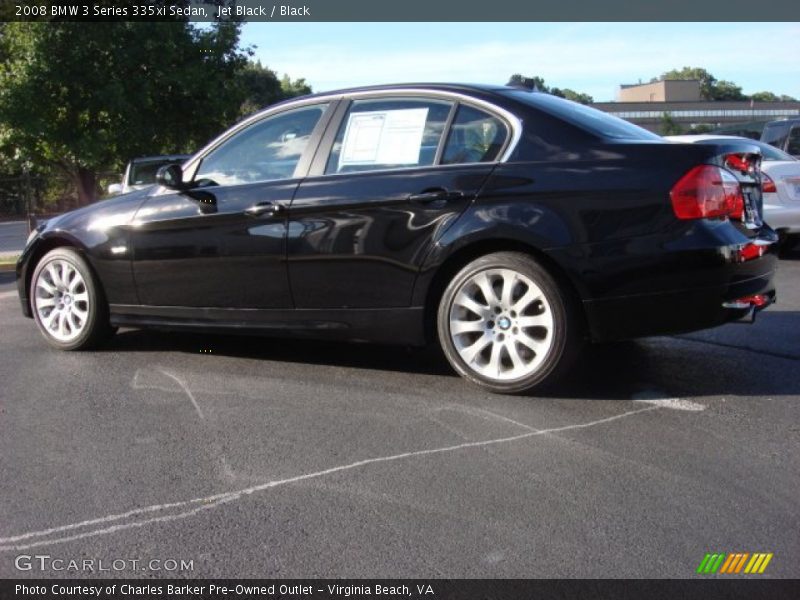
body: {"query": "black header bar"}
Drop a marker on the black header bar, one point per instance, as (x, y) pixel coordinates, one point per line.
(407, 10)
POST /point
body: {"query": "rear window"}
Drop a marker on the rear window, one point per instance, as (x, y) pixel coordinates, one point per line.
(589, 119)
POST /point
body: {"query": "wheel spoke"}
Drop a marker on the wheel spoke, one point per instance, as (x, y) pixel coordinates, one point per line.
(55, 277)
(45, 302)
(43, 284)
(513, 353)
(509, 282)
(50, 319)
(471, 352)
(76, 282)
(543, 320)
(494, 359)
(533, 344)
(62, 323)
(528, 297)
(471, 305)
(459, 327)
(82, 297)
(73, 321)
(483, 282)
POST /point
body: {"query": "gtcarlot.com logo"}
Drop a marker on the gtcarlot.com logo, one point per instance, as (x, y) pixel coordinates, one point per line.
(734, 563)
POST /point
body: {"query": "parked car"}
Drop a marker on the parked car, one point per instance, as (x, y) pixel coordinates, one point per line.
(784, 135)
(780, 185)
(141, 172)
(509, 225)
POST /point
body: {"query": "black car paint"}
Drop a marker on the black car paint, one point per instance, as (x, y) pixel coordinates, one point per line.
(352, 256)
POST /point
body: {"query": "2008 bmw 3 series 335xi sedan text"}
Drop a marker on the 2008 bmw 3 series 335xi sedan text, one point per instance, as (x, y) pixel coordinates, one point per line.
(510, 226)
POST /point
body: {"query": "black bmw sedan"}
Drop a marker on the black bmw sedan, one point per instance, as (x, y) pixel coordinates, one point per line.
(511, 226)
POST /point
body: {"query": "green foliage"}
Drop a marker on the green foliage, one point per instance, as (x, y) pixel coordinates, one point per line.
(538, 84)
(669, 126)
(86, 97)
(713, 89)
(262, 87)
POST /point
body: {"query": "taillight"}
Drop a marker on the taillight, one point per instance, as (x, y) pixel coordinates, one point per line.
(746, 163)
(707, 191)
(767, 185)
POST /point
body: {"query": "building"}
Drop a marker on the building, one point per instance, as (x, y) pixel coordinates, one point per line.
(669, 90)
(646, 104)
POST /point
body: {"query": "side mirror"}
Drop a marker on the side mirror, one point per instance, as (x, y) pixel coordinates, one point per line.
(114, 189)
(171, 176)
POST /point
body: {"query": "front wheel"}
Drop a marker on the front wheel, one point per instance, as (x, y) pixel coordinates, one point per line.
(67, 303)
(506, 325)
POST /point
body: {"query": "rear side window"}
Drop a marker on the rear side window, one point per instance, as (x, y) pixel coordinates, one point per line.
(475, 136)
(589, 119)
(386, 133)
(793, 145)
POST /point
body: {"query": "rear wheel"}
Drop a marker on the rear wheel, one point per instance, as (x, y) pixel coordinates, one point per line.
(506, 325)
(67, 303)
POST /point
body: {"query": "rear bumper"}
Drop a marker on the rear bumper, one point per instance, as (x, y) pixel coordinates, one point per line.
(675, 312)
(657, 286)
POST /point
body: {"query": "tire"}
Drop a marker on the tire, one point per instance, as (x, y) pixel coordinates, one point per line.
(67, 302)
(506, 325)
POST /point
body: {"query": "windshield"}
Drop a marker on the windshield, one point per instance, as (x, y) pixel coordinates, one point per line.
(587, 118)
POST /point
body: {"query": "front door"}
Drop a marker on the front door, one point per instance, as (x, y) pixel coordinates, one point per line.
(222, 243)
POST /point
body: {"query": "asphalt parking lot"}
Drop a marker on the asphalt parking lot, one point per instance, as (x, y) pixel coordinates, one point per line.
(254, 457)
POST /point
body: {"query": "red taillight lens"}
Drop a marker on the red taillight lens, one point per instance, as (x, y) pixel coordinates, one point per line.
(767, 185)
(707, 191)
(740, 162)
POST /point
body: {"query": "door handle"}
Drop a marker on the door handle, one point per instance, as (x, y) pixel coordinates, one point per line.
(434, 195)
(264, 208)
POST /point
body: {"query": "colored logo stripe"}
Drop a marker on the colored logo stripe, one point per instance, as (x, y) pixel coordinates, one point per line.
(734, 562)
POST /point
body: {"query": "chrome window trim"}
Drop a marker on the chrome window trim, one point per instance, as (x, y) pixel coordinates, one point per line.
(515, 124)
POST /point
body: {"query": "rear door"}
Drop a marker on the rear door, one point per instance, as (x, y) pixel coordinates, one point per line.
(391, 175)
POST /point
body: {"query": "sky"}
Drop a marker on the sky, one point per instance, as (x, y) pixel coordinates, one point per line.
(587, 57)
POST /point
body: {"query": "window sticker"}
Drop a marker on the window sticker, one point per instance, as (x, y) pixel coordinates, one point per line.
(383, 137)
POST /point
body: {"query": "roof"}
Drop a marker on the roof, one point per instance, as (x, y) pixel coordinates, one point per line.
(140, 159)
(435, 87)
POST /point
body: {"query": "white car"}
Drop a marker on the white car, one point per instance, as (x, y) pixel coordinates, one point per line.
(780, 184)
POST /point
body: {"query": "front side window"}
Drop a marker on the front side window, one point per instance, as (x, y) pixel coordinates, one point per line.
(266, 150)
(388, 134)
(475, 136)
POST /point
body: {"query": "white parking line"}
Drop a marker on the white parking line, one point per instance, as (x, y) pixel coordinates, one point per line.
(6, 295)
(9, 543)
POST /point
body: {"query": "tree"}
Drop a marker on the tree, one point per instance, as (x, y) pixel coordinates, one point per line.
(84, 98)
(538, 84)
(710, 87)
(669, 126)
(293, 88)
(261, 87)
(572, 95)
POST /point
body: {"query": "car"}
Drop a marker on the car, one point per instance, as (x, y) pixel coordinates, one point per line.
(508, 226)
(780, 185)
(784, 134)
(141, 172)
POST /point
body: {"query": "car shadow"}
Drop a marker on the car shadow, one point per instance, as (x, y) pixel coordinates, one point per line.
(717, 362)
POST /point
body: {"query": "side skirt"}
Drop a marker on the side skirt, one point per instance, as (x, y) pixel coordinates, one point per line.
(402, 326)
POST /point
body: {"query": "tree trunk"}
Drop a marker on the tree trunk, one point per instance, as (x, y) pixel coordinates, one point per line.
(86, 182)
